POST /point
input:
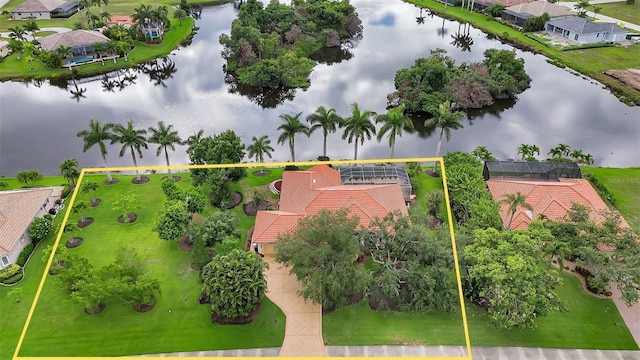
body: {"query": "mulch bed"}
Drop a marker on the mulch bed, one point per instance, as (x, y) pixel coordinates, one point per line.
(432, 173)
(435, 222)
(236, 199)
(262, 172)
(132, 218)
(236, 321)
(278, 185)
(83, 223)
(143, 308)
(247, 242)
(95, 202)
(111, 182)
(95, 311)
(142, 180)
(374, 303)
(250, 208)
(193, 266)
(74, 242)
(184, 245)
(54, 269)
(175, 178)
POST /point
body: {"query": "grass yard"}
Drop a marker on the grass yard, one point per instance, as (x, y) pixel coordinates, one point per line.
(178, 323)
(621, 10)
(589, 323)
(624, 184)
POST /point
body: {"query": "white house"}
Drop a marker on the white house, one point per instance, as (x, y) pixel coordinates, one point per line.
(4, 48)
(44, 9)
(585, 31)
(18, 209)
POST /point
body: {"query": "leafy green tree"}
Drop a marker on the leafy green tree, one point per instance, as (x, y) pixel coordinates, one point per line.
(79, 207)
(90, 292)
(17, 33)
(393, 123)
(132, 139)
(446, 120)
(505, 268)
(32, 27)
(321, 253)
(224, 148)
(172, 220)
(327, 120)
(40, 228)
(528, 152)
(90, 188)
(194, 200)
(581, 7)
(514, 202)
(358, 126)
(125, 203)
(69, 171)
(97, 134)
(171, 190)
(165, 137)
(290, 128)
(75, 270)
(559, 250)
(15, 46)
(200, 255)
(219, 226)
(235, 283)
(28, 178)
(180, 14)
(259, 148)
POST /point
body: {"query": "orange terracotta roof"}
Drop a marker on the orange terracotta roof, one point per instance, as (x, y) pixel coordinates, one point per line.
(120, 20)
(551, 198)
(17, 209)
(308, 192)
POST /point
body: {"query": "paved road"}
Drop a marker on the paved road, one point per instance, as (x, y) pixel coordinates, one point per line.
(601, 17)
(28, 35)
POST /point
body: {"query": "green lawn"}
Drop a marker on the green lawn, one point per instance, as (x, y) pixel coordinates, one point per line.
(624, 184)
(622, 11)
(589, 323)
(178, 323)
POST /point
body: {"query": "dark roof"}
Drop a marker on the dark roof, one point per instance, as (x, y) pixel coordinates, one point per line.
(376, 175)
(538, 170)
(580, 25)
(66, 6)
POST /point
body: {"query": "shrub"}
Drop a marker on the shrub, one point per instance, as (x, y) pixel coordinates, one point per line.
(495, 10)
(40, 228)
(24, 254)
(13, 279)
(291, 168)
(9, 271)
(66, 191)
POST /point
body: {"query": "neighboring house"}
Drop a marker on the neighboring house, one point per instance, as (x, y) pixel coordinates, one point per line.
(4, 48)
(123, 20)
(307, 192)
(152, 30)
(18, 208)
(44, 9)
(518, 14)
(585, 31)
(483, 4)
(81, 43)
(550, 188)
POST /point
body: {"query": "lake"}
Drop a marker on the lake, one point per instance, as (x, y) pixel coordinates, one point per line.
(39, 121)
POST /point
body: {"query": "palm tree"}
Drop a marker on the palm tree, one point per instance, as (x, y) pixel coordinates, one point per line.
(69, 171)
(66, 53)
(394, 121)
(555, 153)
(328, 120)
(113, 47)
(16, 47)
(446, 120)
(132, 139)
(290, 128)
(97, 134)
(577, 155)
(528, 152)
(90, 188)
(515, 201)
(32, 26)
(587, 159)
(165, 137)
(99, 48)
(564, 148)
(261, 146)
(482, 153)
(16, 33)
(559, 249)
(358, 126)
(180, 14)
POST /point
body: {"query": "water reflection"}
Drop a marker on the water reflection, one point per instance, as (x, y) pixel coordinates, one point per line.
(159, 70)
(462, 39)
(267, 98)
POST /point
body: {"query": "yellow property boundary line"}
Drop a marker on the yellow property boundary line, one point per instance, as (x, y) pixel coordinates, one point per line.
(84, 171)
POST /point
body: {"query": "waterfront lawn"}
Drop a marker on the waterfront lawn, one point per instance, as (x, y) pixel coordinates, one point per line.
(622, 11)
(178, 322)
(589, 323)
(624, 184)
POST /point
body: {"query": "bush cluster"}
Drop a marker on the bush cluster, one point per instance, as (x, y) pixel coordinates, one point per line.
(24, 254)
(9, 271)
(602, 189)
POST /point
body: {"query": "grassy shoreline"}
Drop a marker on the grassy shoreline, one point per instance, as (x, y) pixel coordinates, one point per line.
(591, 62)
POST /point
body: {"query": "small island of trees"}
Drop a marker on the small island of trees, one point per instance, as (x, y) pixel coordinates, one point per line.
(270, 46)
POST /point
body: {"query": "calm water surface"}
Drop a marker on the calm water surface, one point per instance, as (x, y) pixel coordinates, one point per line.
(38, 122)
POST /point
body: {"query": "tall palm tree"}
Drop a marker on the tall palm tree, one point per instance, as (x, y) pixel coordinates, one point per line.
(165, 137)
(394, 121)
(328, 120)
(97, 134)
(577, 155)
(66, 53)
(32, 27)
(16, 47)
(259, 148)
(515, 201)
(483, 154)
(446, 120)
(587, 159)
(528, 152)
(17, 33)
(358, 126)
(555, 153)
(99, 48)
(132, 139)
(559, 249)
(290, 128)
(564, 148)
(69, 171)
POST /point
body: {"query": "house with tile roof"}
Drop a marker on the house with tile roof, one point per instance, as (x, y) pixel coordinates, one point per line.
(553, 198)
(483, 4)
(518, 14)
(44, 9)
(585, 31)
(81, 43)
(18, 208)
(305, 193)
